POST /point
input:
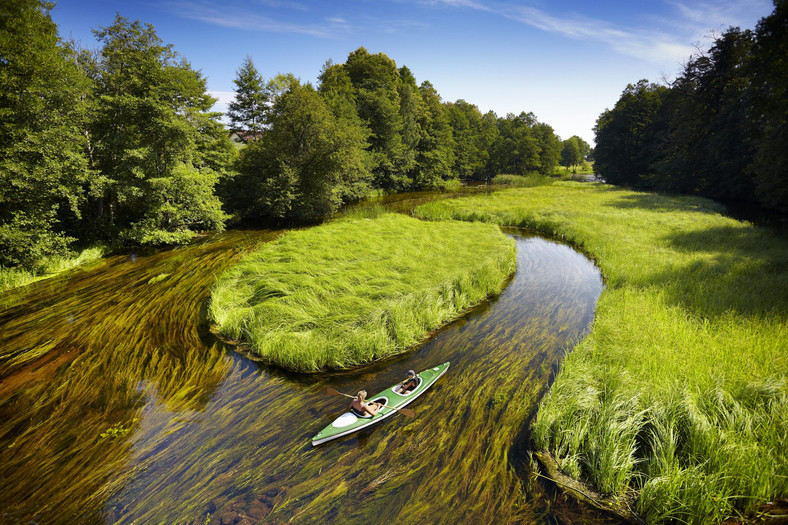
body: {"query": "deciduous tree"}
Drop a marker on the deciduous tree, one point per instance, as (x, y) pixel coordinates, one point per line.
(42, 111)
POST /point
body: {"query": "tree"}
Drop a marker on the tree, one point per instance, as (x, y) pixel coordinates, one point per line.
(378, 86)
(153, 123)
(626, 137)
(42, 111)
(305, 166)
(570, 153)
(473, 135)
(769, 167)
(247, 111)
(573, 151)
(549, 147)
(517, 148)
(435, 148)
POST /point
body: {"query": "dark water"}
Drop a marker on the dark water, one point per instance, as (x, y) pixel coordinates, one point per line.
(117, 405)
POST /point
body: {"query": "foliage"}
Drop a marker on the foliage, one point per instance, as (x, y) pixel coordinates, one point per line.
(42, 113)
(770, 105)
(152, 119)
(679, 391)
(247, 111)
(473, 135)
(352, 291)
(304, 167)
(573, 151)
(179, 205)
(719, 130)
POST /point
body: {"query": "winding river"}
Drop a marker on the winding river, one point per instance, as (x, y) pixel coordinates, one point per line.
(117, 404)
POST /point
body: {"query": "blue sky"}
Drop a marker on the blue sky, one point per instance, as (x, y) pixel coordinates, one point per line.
(564, 60)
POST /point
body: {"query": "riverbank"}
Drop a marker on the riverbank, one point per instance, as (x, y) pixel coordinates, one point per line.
(49, 266)
(357, 290)
(679, 392)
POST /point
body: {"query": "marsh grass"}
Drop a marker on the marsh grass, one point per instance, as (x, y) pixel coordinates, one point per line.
(525, 181)
(15, 277)
(353, 291)
(679, 391)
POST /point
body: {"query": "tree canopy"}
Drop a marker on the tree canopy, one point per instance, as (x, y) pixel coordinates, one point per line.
(719, 130)
(119, 143)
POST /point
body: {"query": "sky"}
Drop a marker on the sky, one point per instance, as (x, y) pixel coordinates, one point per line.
(564, 60)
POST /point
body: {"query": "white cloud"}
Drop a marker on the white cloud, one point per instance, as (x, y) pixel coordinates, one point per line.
(242, 18)
(223, 97)
(692, 26)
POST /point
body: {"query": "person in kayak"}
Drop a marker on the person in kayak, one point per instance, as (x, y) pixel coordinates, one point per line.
(409, 384)
(361, 408)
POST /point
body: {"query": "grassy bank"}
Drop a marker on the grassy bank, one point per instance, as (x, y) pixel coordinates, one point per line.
(679, 392)
(522, 181)
(353, 291)
(14, 277)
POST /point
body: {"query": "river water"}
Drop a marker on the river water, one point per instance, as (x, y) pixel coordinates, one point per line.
(117, 404)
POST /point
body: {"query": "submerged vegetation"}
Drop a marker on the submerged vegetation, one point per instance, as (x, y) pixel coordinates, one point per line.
(679, 392)
(353, 291)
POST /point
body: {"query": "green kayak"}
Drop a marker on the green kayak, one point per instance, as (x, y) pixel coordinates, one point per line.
(349, 422)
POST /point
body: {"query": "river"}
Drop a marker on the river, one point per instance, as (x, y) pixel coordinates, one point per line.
(118, 405)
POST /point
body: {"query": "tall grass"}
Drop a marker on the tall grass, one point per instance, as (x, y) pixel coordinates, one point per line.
(526, 181)
(356, 290)
(679, 391)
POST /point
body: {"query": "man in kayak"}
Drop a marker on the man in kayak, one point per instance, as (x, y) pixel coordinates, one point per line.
(361, 408)
(409, 384)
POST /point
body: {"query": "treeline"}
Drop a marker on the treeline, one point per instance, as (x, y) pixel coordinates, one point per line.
(119, 144)
(720, 130)
(367, 126)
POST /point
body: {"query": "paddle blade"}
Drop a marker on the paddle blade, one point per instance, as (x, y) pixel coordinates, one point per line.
(407, 412)
(333, 392)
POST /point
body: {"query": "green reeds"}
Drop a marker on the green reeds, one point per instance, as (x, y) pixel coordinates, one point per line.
(526, 181)
(353, 291)
(679, 391)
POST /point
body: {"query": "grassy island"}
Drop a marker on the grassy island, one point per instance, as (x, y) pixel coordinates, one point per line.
(356, 290)
(678, 395)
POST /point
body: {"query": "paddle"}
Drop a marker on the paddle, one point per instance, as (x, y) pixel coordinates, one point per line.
(404, 411)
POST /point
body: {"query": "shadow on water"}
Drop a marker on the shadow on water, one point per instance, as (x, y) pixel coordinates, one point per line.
(118, 406)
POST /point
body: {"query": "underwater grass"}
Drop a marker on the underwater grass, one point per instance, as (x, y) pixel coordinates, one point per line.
(679, 391)
(357, 290)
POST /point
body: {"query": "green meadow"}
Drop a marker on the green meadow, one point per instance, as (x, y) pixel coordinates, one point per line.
(678, 395)
(359, 289)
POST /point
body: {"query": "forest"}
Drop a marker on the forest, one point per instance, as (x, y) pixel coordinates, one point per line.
(719, 130)
(119, 144)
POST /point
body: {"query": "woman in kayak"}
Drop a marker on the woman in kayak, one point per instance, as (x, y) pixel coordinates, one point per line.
(361, 408)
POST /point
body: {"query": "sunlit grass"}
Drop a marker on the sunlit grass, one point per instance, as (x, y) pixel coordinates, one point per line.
(356, 290)
(526, 181)
(14, 277)
(679, 391)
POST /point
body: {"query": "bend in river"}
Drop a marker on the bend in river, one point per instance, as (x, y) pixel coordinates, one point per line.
(118, 406)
